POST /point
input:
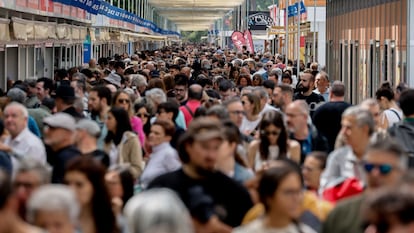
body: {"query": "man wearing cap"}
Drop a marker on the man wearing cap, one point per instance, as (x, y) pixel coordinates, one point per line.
(113, 79)
(64, 100)
(21, 142)
(215, 201)
(87, 134)
(59, 133)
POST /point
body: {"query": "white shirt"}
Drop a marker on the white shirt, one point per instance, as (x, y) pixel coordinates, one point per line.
(163, 159)
(393, 116)
(257, 226)
(26, 145)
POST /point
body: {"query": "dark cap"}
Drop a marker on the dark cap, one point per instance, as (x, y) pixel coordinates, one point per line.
(65, 92)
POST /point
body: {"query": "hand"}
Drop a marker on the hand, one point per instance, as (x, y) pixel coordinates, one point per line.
(117, 204)
(5, 148)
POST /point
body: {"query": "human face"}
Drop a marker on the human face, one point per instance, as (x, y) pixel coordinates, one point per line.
(143, 114)
(243, 82)
(81, 186)
(157, 136)
(236, 112)
(111, 122)
(296, 119)
(163, 115)
(53, 137)
(375, 111)
(278, 100)
(226, 151)
(41, 92)
(14, 120)
(203, 155)
(180, 92)
(286, 81)
(123, 101)
(256, 81)
(311, 171)
(113, 182)
(225, 94)
(54, 221)
(24, 184)
(375, 178)
(247, 105)
(352, 132)
(272, 133)
(287, 200)
(321, 83)
(94, 102)
(305, 82)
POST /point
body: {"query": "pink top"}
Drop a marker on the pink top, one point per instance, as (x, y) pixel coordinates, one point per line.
(137, 127)
(193, 105)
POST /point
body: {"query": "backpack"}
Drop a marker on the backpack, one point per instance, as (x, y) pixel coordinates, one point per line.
(403, 132)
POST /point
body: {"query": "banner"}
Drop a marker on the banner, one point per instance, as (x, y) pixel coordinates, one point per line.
(91, 6)
(249, 41)
(293, 9)
(238, 40)
(274, 14)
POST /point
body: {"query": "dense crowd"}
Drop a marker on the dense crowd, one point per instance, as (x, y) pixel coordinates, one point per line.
(203, 139)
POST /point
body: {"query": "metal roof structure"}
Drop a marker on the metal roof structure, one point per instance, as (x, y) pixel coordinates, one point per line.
(194, 15)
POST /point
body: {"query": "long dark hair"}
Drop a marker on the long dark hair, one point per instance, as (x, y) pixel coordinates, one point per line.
(232, 134)
(103, 217)
(273, 118)
(127, 180)
(122, 125)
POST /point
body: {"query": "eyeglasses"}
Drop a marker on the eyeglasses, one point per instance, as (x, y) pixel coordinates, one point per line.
(141, 115)
(238, 112)
(268, 133)
(121, 101)
(384, 169)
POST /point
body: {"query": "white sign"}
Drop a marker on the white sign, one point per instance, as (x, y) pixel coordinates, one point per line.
(259, 46)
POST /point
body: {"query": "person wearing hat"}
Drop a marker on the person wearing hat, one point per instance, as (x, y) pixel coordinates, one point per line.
(59, 135)
(64, 100)
(86, 140)
(113, 79)
(215, 201)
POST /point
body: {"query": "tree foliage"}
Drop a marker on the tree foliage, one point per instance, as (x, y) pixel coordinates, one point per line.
(193, 36)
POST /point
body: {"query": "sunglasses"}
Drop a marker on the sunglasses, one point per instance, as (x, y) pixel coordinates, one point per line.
(121, 101)
(268, 133)
(141, 115)
(384, 169)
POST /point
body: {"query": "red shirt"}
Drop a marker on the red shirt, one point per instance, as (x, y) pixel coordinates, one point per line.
(192, 105)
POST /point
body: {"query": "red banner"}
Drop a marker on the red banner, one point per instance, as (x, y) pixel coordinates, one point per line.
(249, 41)
(238, 40)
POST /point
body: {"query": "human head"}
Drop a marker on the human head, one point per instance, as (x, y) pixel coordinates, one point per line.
(198, 146)
(337, 89)
(389, 211)
(235, 109)
(218, 112)
(139, 81)
(322, 81)
(123, 100)
(280, 190)
(287, 78)
(85, 176)
(385, 95)
(306, 81)
(16, 95)
(143, 111)
(180, 88)
(120, 182)
(54, 208)
(273, 132)
(373, 107)
(257, 80)
(244, 80)
(226, 89)
(195, 92)
(117, 123)
(162, 131)
(157, 210)
(29, 176)
(87, 131)
(312, 168)
(251, 103)
(44, 87)
(168, 110)
(385, 162)
(357, 126)
(264, 92)
(282, 96)
(155, 96)
(59, 130)
(65, 96)
(99, 99)
(15, 118)
(297, 114)
(406, 102)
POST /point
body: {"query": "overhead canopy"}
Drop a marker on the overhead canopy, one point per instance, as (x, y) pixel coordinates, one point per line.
(194, 15)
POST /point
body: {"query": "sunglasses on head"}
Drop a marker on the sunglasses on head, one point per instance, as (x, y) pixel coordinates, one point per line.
(384, 169)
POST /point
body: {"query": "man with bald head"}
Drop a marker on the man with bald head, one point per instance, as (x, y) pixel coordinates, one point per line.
(297, 114)
(195, 94)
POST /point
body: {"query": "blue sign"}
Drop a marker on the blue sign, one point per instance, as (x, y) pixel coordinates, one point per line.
(87, 55)
(105, 8)
(293, 9)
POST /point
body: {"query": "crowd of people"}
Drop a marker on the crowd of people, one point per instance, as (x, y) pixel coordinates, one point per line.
(203, 139)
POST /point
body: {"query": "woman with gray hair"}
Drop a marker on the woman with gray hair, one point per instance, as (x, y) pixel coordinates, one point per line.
(54, 208)
(157, 211)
